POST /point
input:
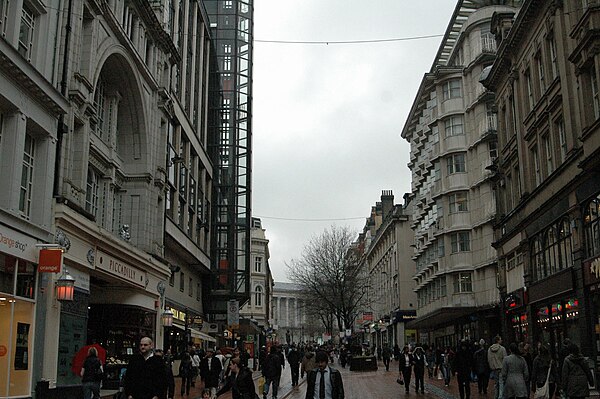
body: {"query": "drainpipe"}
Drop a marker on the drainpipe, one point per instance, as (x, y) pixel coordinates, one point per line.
(63, 90)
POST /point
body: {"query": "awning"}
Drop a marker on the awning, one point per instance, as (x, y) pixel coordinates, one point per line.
(199, 334)
(442, 316)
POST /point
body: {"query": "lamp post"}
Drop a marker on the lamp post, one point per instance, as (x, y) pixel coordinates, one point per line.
(167, 318)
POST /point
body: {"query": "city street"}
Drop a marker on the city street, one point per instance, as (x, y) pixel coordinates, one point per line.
(359, 385)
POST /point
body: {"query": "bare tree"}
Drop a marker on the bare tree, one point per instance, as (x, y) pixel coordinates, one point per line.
(330, 272)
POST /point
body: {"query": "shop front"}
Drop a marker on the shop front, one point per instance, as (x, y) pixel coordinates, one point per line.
(18, 277)
(591, 276)
(517, 317)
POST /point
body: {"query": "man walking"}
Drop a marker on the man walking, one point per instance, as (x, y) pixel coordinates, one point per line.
(272, 372)
(496, 354)
(324, 382)
(146, 376)
(293, 359)
(387, 355)
(210, 370)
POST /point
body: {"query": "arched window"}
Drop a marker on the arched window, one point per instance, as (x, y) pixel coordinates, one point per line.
(591, 227)
(258, 296)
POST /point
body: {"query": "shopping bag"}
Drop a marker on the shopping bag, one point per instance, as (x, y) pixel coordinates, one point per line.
(261, 384)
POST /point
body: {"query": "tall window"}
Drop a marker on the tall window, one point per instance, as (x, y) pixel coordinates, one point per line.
(595, 93)
(453, 126)
(190, 287)
(553, 57)
(591, 227)
(456, 163)
(460, 241)
(562, 138)
(541, 75)
(493, 148)
(26, 32)
(182, 282)
(27, 176)
(3, 15)
(551, 250)
(258, 264)
(451, 89)
(258, 296)
(458, 202)
(91, 195)
(529, 87)
(463, 282)
(171, 170)
(536, 165)
(548, 153)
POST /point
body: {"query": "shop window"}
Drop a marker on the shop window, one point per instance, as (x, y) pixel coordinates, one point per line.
(591, 226)
(25, 273)
(551, 250)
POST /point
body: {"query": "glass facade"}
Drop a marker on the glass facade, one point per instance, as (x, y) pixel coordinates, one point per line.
(231, 25)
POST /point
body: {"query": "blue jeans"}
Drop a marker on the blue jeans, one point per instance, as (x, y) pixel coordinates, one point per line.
(91, 390)
(446, 373)
(269, 381)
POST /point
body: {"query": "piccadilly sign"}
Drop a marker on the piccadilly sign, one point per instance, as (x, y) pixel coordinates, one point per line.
(118, 268)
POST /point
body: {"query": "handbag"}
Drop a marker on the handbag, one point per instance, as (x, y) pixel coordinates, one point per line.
(399, 380)
(261, 384)
(542, 392)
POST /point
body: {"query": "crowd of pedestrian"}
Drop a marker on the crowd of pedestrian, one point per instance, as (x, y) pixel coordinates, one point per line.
(516, 372)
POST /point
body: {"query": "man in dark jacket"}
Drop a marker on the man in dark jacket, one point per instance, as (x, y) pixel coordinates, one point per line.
(324, 382)
(210, 370)
(293, 359)
(463, 365)
(481, 367)
(146, 375)
(272, 372)
(576, 374)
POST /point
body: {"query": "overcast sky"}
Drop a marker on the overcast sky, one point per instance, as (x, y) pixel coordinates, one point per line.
(328, 118)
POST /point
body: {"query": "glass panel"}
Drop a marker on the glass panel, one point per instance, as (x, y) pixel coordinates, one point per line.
(26, 276)
(7, 274)
(20, 360)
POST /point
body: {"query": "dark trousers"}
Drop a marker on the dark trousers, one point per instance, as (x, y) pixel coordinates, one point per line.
(386, 362)
(295, 369)
(186, 382)
(482, 382)
(464, 386)
(406, 372)
(419, 383)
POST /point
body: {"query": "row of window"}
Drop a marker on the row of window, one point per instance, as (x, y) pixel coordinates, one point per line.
(462, 283)
(190, 284)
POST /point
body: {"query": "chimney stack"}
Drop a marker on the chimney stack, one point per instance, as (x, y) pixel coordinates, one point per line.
(387, 202)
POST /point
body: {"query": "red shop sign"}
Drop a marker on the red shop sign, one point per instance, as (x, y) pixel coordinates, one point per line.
(50, 260)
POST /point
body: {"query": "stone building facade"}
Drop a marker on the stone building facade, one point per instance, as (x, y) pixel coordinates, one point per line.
(289, 314)
(452, 132)
(547, 174)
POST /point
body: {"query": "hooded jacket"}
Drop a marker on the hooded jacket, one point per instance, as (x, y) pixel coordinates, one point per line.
(575, 376)
(496, 355)
(308, 363)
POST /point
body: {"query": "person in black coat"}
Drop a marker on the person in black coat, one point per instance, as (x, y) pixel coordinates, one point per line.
(168, 359)
(240, 381)
(419, 366)
(405, 367)
(146, 376)
(463, 366)
(481, 367)
(272, 372)
(293, 359)
(331, 377)
(210, 370)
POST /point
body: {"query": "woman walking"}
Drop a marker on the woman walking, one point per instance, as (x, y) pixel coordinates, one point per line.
(406, 363)
(514, 374)
(419, 362)
(91, 375)
(539, 371)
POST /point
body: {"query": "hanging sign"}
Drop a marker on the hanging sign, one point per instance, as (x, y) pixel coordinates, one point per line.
(50, 260)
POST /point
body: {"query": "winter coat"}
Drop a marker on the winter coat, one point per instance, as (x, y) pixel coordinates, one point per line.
(419, 362)
(272, 367)
(242, 385)
(387, 353)
(480, 362)
(308, 363)
(539, 372)
(496, 354)
(514, 374)
(146, 378)
(210, 377)
(575, 376)
(293, 357)
(463, 362)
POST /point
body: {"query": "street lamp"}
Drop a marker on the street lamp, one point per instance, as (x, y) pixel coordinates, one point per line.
(65, 287)
(167, 318)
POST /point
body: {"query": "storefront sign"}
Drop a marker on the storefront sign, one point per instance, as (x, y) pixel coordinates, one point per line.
(405, 315)
(120, 269)
(17, 244)
(50, 260)
(368, 316)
